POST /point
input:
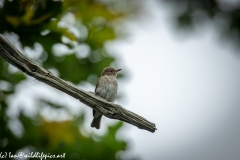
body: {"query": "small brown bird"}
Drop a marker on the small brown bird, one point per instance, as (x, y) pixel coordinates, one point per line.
(106, 88)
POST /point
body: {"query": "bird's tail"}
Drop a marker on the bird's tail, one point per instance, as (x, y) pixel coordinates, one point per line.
(96, 122)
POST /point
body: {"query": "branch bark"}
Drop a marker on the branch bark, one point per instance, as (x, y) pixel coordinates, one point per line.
(110, 110)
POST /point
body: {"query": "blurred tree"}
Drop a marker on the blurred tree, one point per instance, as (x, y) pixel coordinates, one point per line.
(223, 13)
(66, 36)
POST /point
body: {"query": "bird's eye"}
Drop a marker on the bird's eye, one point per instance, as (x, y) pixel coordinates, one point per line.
(111, 70)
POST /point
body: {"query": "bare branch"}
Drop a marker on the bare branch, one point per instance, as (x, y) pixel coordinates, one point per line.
(110, 110)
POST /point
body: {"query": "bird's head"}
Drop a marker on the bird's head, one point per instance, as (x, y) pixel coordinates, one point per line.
(109, 71)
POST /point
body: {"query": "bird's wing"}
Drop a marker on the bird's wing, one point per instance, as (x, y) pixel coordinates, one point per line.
(102, 87)
(96, 85)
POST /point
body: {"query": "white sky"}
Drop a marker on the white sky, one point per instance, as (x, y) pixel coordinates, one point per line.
(188, 85)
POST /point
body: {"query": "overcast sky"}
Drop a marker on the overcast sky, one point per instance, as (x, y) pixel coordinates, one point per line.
(187, 85)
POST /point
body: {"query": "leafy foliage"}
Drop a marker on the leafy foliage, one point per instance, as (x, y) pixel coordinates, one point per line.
(223, 14)
(72, 35)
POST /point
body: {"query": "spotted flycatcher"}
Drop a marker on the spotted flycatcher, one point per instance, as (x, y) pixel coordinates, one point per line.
(106, 88)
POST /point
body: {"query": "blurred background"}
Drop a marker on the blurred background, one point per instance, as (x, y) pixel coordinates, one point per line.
(180, 70)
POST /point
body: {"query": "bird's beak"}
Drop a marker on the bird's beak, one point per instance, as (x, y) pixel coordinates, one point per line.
(119, 70)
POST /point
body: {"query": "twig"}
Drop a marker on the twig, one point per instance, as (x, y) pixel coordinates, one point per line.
(110, 110)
